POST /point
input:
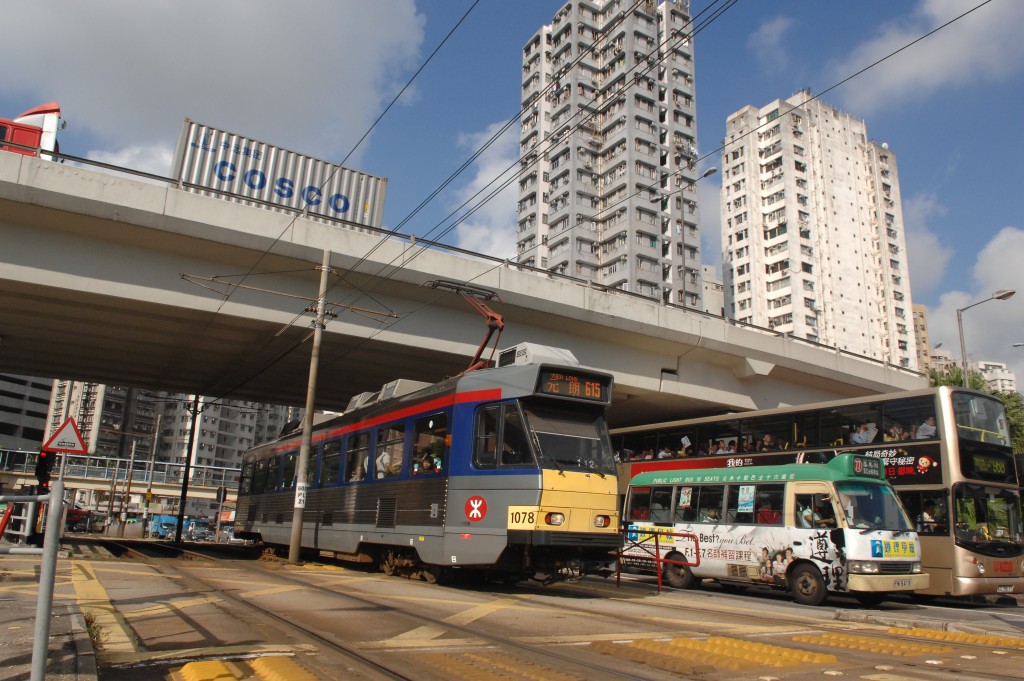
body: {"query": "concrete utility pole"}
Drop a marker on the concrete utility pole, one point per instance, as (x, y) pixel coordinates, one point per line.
(295, 545)
(188, 468)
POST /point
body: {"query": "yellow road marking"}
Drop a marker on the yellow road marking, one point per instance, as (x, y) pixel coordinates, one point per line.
(176, 605)
(269, 591)
(94, 601)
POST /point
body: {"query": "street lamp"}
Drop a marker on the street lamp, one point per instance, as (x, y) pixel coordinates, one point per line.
(1002, 294)
(1018, 345)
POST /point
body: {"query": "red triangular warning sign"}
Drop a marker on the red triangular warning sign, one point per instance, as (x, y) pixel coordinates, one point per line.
(67, 439)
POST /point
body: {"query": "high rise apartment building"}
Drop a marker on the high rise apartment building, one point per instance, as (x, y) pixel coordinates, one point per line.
(112, 418)
(23, 404)
(608, 149)
(924, 347)
(812, 230)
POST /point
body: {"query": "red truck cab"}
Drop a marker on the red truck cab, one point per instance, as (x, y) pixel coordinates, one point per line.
(36, 128)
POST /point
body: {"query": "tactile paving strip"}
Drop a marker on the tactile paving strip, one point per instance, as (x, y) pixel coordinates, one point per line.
(698, 655)
(261, 669)
(873, 644)
(959, 637)
(491, 667)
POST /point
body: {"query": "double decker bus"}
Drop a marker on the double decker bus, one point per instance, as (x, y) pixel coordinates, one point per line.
(945, 450)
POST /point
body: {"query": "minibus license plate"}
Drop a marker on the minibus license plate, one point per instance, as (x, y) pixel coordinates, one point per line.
(1004, 589)
(901, 583)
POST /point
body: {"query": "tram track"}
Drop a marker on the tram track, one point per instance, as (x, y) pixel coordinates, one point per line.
(161, 557)
(584, 662)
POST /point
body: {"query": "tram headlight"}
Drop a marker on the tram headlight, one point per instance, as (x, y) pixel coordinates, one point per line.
(863, 567)
(602, 521)
(554, 518)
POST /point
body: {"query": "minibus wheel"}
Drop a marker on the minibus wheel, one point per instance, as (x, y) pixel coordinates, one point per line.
(807, 585)
(679, 576)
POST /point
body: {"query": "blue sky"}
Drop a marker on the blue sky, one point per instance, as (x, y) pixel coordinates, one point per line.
(313, 75)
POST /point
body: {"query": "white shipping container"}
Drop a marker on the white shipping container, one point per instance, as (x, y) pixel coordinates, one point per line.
(250, 169)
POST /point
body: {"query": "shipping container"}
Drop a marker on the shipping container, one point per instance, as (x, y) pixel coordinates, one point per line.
(252, 171)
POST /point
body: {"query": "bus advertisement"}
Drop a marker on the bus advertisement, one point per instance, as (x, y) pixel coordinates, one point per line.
(809, 529)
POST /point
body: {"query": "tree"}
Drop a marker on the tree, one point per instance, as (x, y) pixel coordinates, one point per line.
(1012, 401)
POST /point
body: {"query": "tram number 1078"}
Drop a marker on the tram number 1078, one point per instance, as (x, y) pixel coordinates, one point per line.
(522, 517)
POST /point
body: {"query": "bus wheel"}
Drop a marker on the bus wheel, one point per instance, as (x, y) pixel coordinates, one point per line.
(679, 576)
(807, 585)
(870, 599)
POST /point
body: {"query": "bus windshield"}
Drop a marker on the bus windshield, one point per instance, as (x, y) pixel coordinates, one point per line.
(570, 438)
(872, 506)
(987, 517)
(980, 418)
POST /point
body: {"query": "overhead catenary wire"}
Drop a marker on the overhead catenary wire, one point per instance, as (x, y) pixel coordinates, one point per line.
(702, 157)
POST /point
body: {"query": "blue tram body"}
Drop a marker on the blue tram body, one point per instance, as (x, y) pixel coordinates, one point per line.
(507, 469)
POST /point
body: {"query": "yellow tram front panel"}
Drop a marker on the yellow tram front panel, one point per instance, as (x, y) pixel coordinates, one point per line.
(570, 501)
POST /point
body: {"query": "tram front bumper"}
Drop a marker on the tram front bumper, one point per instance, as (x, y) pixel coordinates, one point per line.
(608, 541)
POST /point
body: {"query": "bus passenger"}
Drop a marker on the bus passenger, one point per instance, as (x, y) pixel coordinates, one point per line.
(710, 515)
(926, 430)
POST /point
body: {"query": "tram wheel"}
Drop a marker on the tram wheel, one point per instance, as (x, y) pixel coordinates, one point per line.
(807, 585)
(679, 576)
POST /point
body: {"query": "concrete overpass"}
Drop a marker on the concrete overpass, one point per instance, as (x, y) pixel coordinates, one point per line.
(91, 279)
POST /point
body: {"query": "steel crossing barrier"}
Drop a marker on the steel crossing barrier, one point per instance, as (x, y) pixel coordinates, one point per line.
(48, 568)
(642, 543)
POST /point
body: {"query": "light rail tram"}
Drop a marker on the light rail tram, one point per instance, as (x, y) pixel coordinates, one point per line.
(506, 469)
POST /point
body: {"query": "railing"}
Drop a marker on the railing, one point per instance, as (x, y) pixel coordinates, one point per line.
(47, 569)
(646, 546)
(142, 472)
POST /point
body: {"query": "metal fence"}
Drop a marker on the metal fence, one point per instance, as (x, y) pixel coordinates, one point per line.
(142, 472)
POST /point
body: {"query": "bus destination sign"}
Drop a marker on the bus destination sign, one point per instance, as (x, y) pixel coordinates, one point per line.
(575, 384)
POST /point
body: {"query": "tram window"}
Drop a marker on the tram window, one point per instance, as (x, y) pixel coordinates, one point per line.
(769, 504)
(430, 435)
(259, 477)
(273, 464)
(330, 463)
(358, 453)
(289, 459)
(245, 485)
(485, 441)
(311, 466)
(515, 442)
(390, 454)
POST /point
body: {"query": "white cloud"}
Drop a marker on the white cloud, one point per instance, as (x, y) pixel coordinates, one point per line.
(491, 229)
(984, 46)
(768, 44)
(309, 76)
(926, 253)
(992, 327)
(154, 159)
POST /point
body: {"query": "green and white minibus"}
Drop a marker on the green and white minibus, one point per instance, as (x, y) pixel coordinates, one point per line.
(807, 528)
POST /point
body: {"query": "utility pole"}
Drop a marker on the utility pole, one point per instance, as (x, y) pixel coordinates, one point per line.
(188, 468)
(127, 491)
(149, 477)
(295, 545)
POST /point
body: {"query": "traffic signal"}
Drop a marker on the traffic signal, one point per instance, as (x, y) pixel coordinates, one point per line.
(44, 464)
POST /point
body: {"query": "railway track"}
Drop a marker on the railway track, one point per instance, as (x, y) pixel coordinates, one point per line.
(396, 629)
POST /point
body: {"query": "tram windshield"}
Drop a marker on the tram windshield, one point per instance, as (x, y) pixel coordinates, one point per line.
(872, 506)
(571, 438)
(980, 418)
(987, 518)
